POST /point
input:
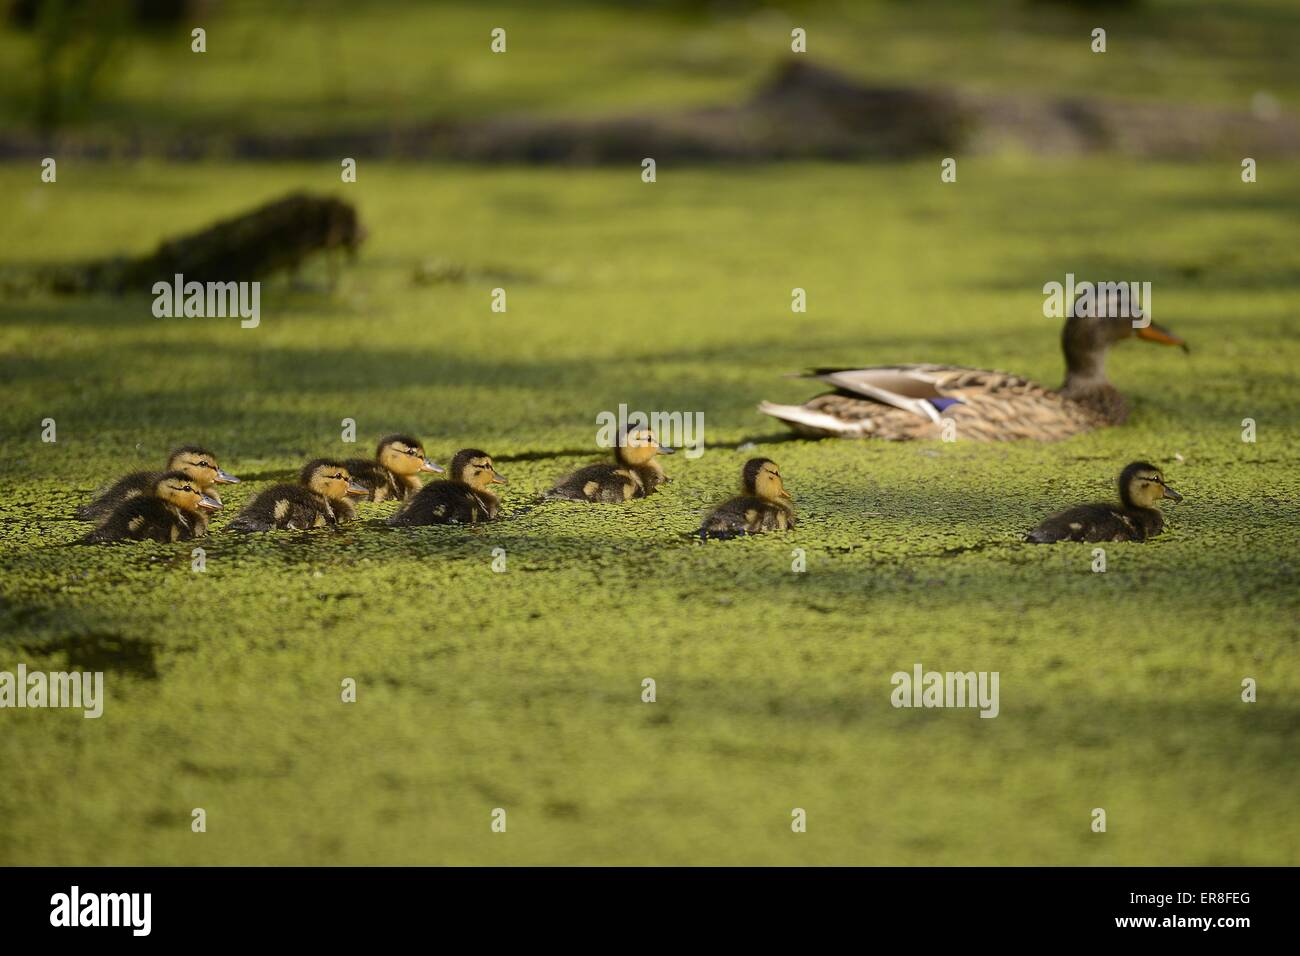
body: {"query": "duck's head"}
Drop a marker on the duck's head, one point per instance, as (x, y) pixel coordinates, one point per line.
(474, 468)
(179, 489)
(762, 477)
(330, 479)
(201, 465)
(404, 455)
(1142, 485)
(637, 445)
(1092, 329)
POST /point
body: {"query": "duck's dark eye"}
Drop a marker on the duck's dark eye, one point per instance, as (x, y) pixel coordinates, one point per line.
(204, 464)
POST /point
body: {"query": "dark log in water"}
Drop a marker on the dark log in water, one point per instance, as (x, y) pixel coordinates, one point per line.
(276, 237)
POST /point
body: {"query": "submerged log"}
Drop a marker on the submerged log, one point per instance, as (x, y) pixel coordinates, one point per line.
(278, 236)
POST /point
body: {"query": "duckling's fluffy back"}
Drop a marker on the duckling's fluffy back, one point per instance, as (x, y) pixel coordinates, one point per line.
(446, 502)
(284, 506)
(746, 514)
(143, 518)
(605, 483)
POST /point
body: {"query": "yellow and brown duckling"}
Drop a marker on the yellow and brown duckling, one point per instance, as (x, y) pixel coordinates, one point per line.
(173, 510)
(320, 498)
(198, 464)
(395, 469)
(903, 402)
(764, 506)
(465, 498)
(634, 473)
(1136, 517)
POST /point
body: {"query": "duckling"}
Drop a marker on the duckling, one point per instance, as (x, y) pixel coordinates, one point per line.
(199, 464)
(170, 512)
(1135, 518)
(393, 472)
(634, 473)
(463, 499)
(320, 498)
(765, 505)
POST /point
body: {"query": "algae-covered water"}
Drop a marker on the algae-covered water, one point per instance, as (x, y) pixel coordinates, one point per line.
(521, 689)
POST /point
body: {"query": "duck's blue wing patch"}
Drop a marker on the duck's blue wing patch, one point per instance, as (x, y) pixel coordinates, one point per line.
(941, 403)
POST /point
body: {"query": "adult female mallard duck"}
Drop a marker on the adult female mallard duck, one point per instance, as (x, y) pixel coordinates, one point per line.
(900, 402)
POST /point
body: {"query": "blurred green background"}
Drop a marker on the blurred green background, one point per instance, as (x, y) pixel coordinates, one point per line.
(522, 690)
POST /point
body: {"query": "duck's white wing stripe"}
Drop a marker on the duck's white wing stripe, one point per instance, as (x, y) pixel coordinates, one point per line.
(819, 421)
(902, 388)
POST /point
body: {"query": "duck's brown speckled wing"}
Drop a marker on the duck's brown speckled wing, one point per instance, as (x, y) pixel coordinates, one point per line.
(902, 402)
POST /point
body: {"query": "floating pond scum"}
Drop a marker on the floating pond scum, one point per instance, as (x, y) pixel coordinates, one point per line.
(406, 236)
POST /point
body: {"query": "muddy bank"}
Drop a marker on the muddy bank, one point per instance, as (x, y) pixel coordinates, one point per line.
(801, 112)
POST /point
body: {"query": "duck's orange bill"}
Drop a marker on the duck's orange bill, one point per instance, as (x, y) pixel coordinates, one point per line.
(1154, 333)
